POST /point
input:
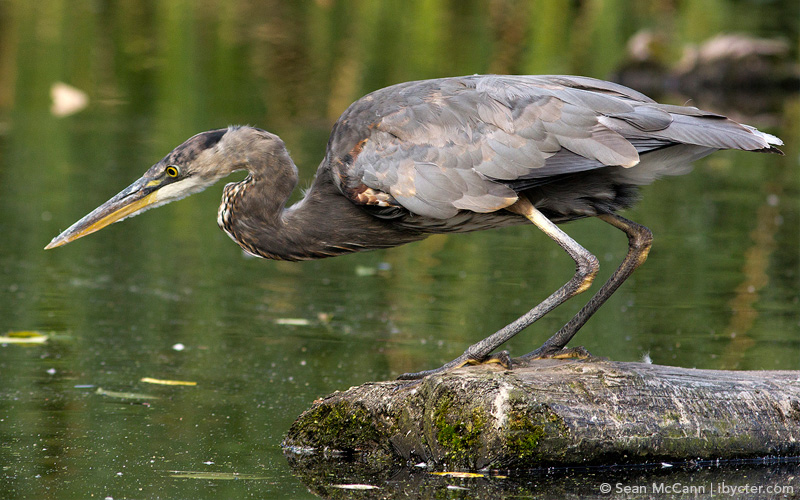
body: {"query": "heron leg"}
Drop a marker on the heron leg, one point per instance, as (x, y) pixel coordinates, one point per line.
(639, 241)
(586, 269)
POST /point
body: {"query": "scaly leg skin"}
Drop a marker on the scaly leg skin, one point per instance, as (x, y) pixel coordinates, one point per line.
(586, 269)
(639, 241)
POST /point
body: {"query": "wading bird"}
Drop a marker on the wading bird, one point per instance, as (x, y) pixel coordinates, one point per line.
(445, 156)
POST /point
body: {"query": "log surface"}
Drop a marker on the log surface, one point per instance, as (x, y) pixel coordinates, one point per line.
(558, 413)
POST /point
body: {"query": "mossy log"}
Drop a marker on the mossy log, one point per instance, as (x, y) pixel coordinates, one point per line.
(557, 413)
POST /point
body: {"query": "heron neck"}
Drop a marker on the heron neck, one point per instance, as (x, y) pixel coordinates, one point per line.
(323, 224)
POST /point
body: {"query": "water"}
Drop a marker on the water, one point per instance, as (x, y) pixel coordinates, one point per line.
(167, 296)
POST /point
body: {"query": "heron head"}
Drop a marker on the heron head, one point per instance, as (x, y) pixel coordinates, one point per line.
(191, 167)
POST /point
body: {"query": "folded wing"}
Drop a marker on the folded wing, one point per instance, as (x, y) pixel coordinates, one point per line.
(440, 146)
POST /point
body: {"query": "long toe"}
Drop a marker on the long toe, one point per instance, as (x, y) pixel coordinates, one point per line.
(579, 352)
(502, 358)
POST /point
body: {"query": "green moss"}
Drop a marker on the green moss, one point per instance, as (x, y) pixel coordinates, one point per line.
(524, 430)
(523, 435)
(459, 435)
(341, 426)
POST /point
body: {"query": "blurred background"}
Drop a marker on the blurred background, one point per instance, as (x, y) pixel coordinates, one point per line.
(94, 92)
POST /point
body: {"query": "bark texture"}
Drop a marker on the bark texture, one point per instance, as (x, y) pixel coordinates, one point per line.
(557, 413)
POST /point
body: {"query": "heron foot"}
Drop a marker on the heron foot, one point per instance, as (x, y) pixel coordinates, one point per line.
(579, 352)
(503, 358)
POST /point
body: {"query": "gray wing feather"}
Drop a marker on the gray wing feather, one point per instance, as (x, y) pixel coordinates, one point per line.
(440, 146)
(646, 118)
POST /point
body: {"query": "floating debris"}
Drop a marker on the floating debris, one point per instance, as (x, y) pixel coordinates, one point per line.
(67, 100)
(23, 337)
(362, 271)
(355, 487)
(293, 321)
(381, 268)
(458, 474)
(159, 381)
(124, 395)
(222, 476)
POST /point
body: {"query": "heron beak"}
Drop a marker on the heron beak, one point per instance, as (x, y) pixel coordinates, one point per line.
(130, 201)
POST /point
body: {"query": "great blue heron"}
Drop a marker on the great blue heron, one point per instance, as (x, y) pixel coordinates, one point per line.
(444, 156)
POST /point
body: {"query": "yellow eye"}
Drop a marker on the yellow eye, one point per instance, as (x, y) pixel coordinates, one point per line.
(173, 171)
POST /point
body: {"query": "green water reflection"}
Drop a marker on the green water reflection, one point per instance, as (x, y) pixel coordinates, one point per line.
(167, 295)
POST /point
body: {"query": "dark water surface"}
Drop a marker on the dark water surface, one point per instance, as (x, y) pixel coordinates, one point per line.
(168, 296)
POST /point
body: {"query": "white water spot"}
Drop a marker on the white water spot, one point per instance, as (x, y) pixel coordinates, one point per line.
(67, 100)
